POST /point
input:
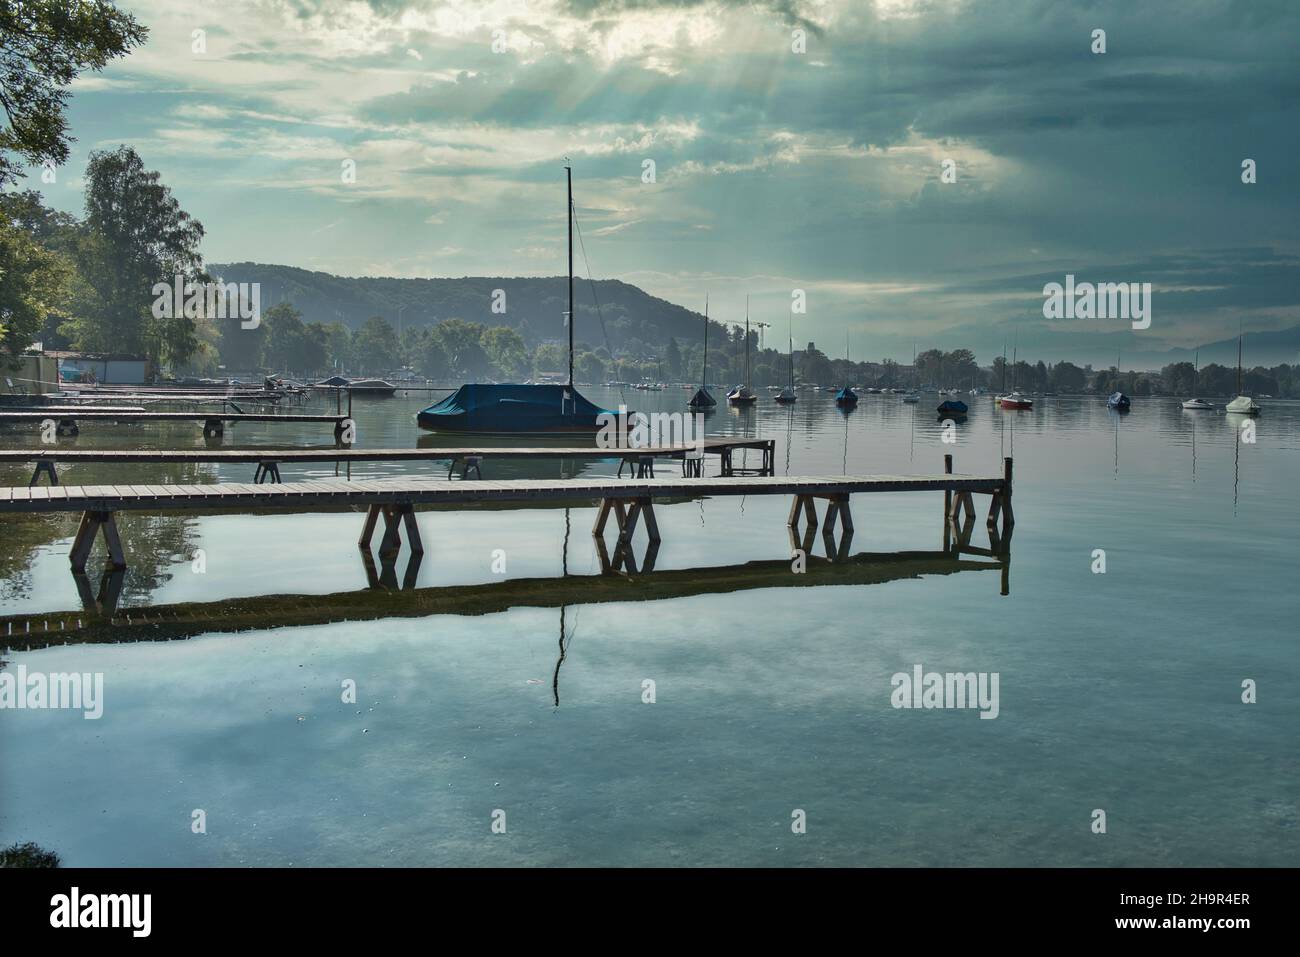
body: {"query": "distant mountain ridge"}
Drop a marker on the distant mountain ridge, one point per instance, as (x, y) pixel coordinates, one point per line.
(636, 321)
(534, 306)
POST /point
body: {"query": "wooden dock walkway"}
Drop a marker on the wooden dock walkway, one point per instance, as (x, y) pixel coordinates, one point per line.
(629, 501)
(470, 458)
(213, 421)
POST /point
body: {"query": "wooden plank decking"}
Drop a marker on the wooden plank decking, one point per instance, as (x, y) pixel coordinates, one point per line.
(268, 460)
(91, 412)
(307, 496)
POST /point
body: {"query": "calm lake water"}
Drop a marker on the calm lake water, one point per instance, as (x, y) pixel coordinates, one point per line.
(1118, 691)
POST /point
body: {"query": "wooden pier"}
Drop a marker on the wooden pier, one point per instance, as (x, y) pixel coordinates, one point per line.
(640, 462)
(629, 501)
(213, 422)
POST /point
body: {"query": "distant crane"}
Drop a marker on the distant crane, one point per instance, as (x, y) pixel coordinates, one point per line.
(761, 327)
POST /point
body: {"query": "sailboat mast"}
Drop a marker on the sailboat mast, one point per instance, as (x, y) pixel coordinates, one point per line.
(1239, 334)
(704, 379)
(792, 353)
(747, 385)
(569, 212)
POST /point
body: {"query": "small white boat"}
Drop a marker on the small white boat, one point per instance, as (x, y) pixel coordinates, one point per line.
(1242, 405)
(1198, 404)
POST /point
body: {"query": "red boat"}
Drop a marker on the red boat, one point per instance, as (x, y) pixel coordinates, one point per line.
(1015, 401)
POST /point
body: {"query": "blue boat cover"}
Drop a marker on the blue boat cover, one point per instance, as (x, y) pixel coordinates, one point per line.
(846, 396)
(511, 408)
(955, 406)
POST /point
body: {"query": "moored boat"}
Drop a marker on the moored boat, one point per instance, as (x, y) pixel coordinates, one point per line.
(1119, 402)
(524, 408)
(1015, 400)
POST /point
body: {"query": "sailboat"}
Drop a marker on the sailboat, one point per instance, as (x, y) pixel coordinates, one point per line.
(743, 394)
(911, 396)
(1118, 400)
(521, 409)
(1198, 405)
(846, 396)
(1242, 404)
(702, 400)
(788, 396)
(1014, 400)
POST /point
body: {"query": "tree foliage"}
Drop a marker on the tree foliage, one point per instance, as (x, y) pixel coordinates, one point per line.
(44, 45)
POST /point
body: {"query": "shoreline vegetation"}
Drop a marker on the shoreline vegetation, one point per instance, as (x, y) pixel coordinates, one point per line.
(28, 855)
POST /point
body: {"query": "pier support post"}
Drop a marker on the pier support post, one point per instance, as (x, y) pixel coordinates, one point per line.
(466, 463)
(391, 543)
(267, 471)
(67, 427)
(92, 522)
(45, 466)
(368, 529)
(1008, 516)
(805, 504)
(213, 428)
(395, 517)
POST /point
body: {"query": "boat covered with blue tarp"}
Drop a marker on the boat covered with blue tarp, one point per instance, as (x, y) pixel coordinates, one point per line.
(514, 409)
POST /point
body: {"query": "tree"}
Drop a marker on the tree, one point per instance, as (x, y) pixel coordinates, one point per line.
(460, 341)
(44, 45)
(506, 350)
(1067, 377)
(588, 367)
(338, 344)
(1179, 378)
(432, 360)
(136, 236)
(34, 283)
(375, 345)
(289, 344)
(673, 359)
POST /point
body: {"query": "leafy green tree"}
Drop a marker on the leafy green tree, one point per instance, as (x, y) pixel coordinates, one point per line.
(587, 367)
(673, 360)
(1067, 377)
(289, 343)
(136, 236)
(432, 360)
(34, 283)
(461, 342)
(375, 345)
(552, 358)
(44, 45)
(506, 350)
(1179, 378)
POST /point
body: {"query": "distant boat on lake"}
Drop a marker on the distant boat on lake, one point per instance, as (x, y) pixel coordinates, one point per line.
(743, 394)
(1198, 405)
(1119, 402)
(702, 401)
(788, 396)
(953, 407)
(357, 386)
(1242, 404)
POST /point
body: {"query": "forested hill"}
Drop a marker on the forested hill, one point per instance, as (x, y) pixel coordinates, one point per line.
(533, 306)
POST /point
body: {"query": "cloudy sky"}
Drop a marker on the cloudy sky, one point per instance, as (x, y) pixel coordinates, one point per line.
(775, 169)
